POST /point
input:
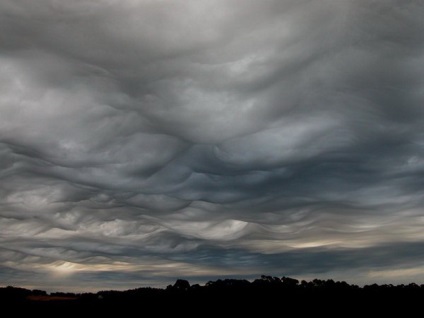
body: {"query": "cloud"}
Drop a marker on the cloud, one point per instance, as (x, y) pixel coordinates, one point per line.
(142, 141)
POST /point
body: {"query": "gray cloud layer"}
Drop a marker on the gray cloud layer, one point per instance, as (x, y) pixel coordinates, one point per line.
(146, 140)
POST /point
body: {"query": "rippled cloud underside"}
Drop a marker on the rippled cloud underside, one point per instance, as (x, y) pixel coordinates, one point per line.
(145, 140)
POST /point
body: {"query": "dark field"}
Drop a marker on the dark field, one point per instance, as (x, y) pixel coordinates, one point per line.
(267, 294)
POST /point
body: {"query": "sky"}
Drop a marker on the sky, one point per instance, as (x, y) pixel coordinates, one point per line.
(143, 141)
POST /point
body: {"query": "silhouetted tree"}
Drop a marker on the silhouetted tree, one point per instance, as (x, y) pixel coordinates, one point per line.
(289, 282)
(181, 284)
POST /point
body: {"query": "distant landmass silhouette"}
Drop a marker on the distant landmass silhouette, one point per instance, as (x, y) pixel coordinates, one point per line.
(267, 293)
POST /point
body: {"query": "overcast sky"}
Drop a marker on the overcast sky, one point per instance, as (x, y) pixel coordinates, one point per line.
(147, 140)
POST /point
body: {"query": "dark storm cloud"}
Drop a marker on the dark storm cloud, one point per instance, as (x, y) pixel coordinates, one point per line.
(146, 140)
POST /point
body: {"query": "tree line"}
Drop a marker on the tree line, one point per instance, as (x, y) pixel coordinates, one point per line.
(264, 292)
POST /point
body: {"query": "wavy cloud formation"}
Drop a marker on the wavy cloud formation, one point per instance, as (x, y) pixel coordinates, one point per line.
(143, 140)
